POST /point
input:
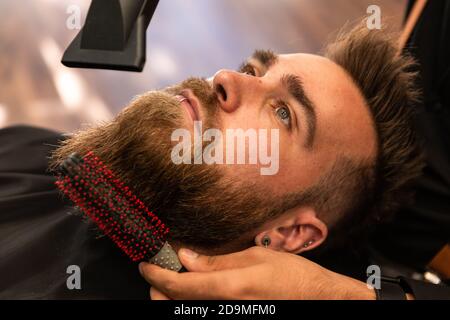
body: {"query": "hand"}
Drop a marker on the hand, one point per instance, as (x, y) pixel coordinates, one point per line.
(256, 273)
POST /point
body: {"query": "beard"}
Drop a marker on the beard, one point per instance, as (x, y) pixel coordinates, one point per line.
(202, 207)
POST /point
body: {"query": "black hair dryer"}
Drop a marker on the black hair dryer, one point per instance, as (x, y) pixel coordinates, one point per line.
(113, 36)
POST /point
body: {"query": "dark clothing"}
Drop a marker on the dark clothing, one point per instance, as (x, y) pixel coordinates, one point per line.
(41, 235)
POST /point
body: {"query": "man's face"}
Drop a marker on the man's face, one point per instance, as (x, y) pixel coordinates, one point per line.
(314, 104)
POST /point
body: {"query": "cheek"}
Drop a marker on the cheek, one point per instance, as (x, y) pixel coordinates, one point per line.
(300, 169)
(297, 169)
(292, 167)
(246, 118)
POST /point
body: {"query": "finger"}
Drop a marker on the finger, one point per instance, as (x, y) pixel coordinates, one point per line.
(155, 294)
(195, 262)
(194, 285)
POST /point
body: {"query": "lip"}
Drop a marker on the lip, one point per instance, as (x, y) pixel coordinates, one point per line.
(190, 103)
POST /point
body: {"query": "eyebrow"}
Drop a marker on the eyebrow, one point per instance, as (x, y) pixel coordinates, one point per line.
(294, 86)
(266, 57)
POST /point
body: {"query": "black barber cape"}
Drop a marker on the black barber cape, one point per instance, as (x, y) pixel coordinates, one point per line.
(41, 235)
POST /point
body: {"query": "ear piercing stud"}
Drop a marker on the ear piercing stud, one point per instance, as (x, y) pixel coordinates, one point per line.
(306, 245)
(265, 241)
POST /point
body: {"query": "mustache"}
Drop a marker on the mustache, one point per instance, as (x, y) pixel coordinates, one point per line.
(202, 90)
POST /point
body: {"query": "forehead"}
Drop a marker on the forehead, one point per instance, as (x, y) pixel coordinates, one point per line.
(344, 120)
(320, 73)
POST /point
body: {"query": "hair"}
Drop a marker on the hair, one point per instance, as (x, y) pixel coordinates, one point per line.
(387, 80)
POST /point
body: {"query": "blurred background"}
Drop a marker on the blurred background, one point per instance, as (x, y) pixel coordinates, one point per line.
(185, 38)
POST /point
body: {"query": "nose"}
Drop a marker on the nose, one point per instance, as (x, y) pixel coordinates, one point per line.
(228, 87)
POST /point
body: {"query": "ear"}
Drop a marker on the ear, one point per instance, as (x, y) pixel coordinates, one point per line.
(298, 231)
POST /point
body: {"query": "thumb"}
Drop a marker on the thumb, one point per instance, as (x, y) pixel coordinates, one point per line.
(196, 262)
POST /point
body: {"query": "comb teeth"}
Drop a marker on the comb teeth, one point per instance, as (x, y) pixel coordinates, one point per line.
(113, 207)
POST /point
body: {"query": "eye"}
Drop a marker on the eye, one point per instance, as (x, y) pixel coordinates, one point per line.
(284, 114)
(248, 69)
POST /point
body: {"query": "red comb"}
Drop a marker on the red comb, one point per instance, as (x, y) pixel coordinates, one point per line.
(119, 214)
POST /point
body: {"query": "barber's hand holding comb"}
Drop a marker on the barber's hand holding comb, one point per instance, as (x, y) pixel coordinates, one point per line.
(256, 273)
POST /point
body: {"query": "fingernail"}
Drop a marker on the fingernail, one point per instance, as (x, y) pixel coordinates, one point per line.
(141, 268)
(189, 253)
